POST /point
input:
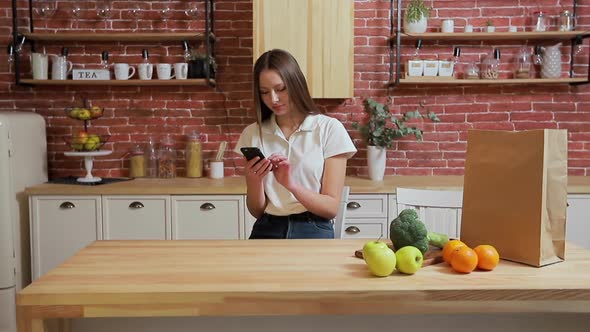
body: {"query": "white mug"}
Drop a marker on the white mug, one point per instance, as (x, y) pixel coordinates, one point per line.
(164, 71)
(216, 169)
(122, 71)
(447, 26)
(145, 71)
(60, 68)
(468, 28)
(181, 70)
(40, 66)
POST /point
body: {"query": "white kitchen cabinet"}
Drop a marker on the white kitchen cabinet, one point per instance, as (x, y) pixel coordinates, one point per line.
(366, 216)
(216, 217)
(248, 222)
(60, 226)
(136, 217)
(578, 220)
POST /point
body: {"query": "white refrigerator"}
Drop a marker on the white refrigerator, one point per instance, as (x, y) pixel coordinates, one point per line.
(23, 163)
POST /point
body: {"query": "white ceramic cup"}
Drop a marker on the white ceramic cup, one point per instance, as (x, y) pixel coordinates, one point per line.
(181, 70)
(145, 71)
(40, 66)
(60, 68)
(512, 29)
(468, 28)
(123, 71)
(216, 169)
(447, 26)
(164, 71)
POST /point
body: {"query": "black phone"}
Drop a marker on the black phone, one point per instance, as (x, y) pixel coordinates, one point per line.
(251, 152)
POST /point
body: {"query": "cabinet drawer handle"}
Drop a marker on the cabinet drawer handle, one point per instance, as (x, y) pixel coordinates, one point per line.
(352, 230)
(207, 206)
(67, 205)
(353, 206)
(136, 205)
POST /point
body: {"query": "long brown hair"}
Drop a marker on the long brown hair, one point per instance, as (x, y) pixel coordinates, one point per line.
(288, 69)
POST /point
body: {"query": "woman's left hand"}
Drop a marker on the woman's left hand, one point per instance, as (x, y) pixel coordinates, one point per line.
(281, 170)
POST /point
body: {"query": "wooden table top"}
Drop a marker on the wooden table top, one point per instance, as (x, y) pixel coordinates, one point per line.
(237, 185)
(287, 277)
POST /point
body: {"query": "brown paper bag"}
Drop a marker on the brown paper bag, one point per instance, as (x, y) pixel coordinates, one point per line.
(515, 194)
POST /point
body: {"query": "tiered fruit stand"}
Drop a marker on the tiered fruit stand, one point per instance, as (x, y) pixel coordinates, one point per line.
(85, 144)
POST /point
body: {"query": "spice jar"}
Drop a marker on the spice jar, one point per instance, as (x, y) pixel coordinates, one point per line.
(193, 156)
(137, 163)
(167, 158)
(491, 66)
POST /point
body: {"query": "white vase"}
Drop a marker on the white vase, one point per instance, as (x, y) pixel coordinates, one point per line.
(376, 158)
(416, 27)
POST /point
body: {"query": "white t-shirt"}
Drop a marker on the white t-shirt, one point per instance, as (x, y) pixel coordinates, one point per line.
(318, 138)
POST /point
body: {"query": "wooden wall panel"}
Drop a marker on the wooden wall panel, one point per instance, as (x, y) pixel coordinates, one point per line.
(319, 33)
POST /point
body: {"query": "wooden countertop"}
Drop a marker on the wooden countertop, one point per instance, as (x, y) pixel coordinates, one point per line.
(285, 277)
(237, 185)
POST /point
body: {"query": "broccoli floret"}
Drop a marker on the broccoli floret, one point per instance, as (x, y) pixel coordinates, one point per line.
(408, 230)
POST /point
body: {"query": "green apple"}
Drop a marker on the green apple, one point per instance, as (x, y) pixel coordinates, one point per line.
(409, 259)
(92, 142)
(379, 258)
(84, 114)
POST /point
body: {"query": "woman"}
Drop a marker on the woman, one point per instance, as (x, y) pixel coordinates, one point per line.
(295, 191)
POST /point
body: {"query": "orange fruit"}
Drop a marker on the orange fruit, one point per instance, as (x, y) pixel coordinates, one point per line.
(449, 248)
(487, 257)
(464, 260)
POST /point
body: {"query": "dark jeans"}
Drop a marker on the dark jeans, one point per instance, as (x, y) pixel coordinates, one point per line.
(304, 225)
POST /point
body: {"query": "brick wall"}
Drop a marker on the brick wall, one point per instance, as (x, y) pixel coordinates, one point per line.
(220, 113)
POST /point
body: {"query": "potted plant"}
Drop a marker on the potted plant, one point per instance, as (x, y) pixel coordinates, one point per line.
(490, 26)
(200, 63)
(416, 17)
(383, 128)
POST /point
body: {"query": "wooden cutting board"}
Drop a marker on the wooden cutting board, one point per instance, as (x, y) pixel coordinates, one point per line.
(432, 256)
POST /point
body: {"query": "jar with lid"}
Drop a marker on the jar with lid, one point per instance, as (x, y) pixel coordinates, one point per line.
(523, 63)
(491, 66)
(193, 156)
(566, 21)
(137, 162)
(167, 158)
(539, 21)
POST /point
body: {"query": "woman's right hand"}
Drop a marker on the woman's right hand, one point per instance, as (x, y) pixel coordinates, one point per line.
(257, 169)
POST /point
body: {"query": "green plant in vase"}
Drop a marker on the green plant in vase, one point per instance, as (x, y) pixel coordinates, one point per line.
(416, 17)
(383, 128)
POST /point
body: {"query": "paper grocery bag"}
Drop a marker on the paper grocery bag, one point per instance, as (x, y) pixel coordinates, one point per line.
(515, 194)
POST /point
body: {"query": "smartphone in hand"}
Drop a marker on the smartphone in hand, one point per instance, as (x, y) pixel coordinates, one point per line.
(251, 152)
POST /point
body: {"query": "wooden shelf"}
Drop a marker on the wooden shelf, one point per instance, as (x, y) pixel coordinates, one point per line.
(117, 37)
(134, 82)
(452, 81)
(478, 36)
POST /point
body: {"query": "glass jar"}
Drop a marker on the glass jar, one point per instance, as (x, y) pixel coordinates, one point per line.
(137, 162)
(471, 71)
(491, 66)
(540, 22)
(523, 63)
(152, 158)
(193, 156)
(566, 21)
(167, 158)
